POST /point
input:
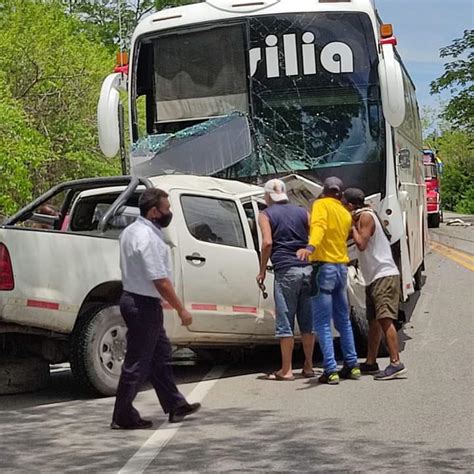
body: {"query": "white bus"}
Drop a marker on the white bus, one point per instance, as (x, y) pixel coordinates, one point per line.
(321, 84)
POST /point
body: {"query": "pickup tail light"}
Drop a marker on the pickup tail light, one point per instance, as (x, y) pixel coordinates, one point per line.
(7, 282)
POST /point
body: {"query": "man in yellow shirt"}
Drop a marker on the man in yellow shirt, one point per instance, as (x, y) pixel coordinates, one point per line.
(330, 226)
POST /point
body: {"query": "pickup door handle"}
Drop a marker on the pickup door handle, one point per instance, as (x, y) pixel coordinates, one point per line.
(195, 257)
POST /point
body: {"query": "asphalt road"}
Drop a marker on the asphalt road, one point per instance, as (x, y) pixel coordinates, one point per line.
(421, 424)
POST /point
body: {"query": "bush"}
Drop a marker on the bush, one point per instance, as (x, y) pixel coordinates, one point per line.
(466, 204)
(457, 187)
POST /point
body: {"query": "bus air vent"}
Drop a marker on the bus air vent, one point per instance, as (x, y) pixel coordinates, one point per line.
(245, 6)
(174, 17)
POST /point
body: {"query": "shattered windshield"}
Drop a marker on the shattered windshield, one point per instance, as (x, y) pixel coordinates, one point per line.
(204, 149)
(308, 83)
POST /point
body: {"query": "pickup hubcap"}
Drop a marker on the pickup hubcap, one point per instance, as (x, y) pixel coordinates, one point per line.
(113, 346)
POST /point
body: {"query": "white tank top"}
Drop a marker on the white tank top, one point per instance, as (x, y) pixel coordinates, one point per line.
(376, 260)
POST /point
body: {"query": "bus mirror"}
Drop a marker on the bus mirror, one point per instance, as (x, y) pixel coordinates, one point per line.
(108, 122)
(391, 85)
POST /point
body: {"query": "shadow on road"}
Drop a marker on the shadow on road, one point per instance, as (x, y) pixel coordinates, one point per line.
(71, 440)
(188, 369)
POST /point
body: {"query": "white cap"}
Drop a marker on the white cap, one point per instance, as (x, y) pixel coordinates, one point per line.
(276, 189)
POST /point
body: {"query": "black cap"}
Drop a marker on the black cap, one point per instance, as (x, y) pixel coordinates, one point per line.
(354, 196)
(333, 186)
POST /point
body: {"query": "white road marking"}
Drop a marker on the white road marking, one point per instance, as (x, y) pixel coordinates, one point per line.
(165, 432)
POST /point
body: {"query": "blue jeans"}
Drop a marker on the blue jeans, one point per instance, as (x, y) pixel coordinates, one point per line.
(292, 293)
(330, 301)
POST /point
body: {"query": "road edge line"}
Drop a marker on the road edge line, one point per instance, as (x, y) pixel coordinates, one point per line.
(452, 254)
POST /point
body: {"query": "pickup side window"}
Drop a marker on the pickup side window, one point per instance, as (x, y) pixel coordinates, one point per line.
(89, 210)
(213, 220)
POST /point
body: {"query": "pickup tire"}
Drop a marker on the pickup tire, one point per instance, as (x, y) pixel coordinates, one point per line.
(23, 374)
(98, 348)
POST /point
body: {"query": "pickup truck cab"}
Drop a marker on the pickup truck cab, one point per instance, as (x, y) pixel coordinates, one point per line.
(60, 278)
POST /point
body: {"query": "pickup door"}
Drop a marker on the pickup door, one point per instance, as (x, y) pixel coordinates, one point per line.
(218, 262)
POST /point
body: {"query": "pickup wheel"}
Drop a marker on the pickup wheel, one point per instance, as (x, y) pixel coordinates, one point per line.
(98, 348)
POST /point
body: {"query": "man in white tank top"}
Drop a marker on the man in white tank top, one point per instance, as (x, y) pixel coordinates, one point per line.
(382, 280)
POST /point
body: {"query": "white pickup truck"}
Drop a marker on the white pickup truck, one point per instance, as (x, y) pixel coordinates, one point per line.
(60, 277)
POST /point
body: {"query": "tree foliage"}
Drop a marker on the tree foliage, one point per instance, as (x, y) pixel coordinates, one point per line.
(458, 80)
(54, 57)
(23, 152)
(105, 18)
(454, 148)
(52, 74)
(454, 135)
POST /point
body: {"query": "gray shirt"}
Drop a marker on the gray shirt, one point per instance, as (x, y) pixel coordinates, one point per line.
(144, 257)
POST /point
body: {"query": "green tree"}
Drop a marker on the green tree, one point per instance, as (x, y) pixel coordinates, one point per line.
(54, 73)
(455, 150)
(23, 153)
(105, 18)
(458, 80)
(454, 137)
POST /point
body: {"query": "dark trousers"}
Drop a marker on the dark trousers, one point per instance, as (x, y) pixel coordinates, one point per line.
(148, 357)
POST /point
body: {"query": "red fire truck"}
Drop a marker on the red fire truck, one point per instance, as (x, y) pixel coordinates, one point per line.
(433, 195)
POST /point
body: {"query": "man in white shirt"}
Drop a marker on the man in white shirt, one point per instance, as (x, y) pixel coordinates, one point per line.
(145, 263)
(382, 280)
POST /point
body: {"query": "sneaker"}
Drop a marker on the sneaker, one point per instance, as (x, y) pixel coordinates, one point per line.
(330, 379)
(177, 414)
(392, 371)
(369, 369)
(352, 373)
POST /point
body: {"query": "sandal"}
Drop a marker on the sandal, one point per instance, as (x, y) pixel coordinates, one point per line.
(308, 375)
(277, 377)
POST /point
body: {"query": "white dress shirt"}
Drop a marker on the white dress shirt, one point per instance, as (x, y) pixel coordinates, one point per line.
(144, 257)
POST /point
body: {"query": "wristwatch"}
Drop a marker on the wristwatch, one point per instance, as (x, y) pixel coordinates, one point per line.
(310, 248)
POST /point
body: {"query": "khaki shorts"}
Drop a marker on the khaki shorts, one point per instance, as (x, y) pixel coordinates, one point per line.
(382, 298)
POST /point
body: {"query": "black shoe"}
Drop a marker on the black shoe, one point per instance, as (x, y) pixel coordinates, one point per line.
(352, 373)
(330, 379)
(139, 425)
(369, 369)
(178, 414)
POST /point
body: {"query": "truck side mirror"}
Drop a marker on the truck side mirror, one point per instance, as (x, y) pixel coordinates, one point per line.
(391, 86)
(108, 121)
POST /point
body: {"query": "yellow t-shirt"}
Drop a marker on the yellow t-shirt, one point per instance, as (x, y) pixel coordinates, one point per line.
(330, 226)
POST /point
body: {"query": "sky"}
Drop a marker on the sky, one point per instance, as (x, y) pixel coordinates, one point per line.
(422, 27)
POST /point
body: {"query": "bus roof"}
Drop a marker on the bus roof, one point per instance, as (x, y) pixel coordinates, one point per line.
(218, 10)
